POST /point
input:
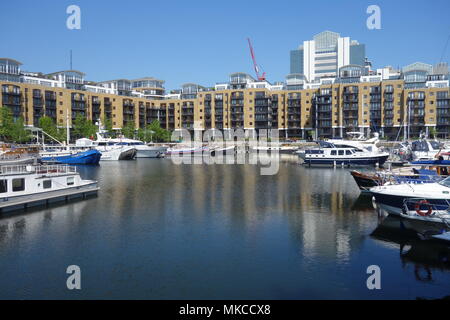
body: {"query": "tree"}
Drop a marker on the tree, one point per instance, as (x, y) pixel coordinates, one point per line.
(432, 132)
(107, 123)
(83, 128)
(12, 130)
(18, 133)
(6, 122)
(128, 130)
(48, 125)
(158, 134)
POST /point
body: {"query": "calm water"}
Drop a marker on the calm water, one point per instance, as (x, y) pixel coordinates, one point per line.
(164, 231)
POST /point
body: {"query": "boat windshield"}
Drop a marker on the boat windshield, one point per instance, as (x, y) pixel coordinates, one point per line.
(445, 182)
(435, 145)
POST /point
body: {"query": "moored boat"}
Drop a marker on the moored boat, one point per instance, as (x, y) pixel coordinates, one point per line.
(26, 186)
(391, 198)
(89, 157)
(329, 154)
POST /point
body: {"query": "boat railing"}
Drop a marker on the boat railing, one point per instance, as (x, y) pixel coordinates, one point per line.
(44, 169)
(426, 209)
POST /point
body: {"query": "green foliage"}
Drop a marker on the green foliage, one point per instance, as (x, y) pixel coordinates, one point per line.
(108, 126)
(10, 130)
(83, 128)
(432, 132)
(48, 125)
(157, 133)
(128, 130)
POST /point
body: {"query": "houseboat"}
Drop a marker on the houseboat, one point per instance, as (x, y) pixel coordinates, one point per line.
(26, 186)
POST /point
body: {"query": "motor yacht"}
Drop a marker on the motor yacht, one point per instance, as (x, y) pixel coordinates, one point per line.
(330, 154)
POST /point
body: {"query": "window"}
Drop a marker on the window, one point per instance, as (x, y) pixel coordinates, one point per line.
(348, 152)
(70, 181)
(341, 152)
(3, 186)
(47, 184)
(18, 185)
(333, 152)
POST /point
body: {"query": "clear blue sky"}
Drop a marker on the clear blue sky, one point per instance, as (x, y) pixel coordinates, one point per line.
(204, 41)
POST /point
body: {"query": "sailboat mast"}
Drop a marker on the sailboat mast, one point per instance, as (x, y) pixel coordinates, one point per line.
(67, 130)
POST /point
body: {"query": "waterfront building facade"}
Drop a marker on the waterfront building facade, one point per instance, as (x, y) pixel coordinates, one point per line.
(395, 104)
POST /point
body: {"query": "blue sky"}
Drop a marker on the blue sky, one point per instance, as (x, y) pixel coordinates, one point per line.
(204, 41)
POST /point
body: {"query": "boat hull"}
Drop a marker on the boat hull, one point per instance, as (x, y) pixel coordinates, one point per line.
(91, 157)
(394, 204)
(363, 161)
(365, 181)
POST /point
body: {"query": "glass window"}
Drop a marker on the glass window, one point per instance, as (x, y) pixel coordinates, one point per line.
(3, 186)
(348, 152)
(341, 152)
(18, 185)
(47, 184)
(70, 181)
(333, 152)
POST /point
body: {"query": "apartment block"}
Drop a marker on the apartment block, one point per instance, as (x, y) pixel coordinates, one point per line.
(394, 104)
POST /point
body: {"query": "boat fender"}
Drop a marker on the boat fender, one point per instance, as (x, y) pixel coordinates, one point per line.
(423, 213)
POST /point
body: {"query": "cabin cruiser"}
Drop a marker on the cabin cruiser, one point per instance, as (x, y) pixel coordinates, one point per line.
(392, 198)
(25, 186)
(330, 154)
(425, 149)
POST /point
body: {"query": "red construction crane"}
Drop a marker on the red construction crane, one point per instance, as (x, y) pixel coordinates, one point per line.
(255, 65)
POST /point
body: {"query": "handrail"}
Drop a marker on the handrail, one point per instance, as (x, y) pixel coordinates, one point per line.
(45, 169)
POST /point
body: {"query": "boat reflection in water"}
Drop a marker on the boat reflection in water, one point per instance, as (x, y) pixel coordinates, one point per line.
(426, 257)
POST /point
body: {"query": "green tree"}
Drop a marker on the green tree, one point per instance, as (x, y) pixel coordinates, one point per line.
(158, 134)
(18, 133)
(432, 132)
(6, 122)
(48, 125)
(108, 126)
(12, 130)
(128, 130)
(83, 128)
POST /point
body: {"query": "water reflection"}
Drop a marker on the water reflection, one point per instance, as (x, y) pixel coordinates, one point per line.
(159, 230)
(425, 257)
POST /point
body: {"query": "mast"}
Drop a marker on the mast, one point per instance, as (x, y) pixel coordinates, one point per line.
(67, 131)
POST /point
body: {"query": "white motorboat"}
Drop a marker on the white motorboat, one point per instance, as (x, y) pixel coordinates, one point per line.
(392, 198)
(26, 186)
(329, 154)
(425, 149)
(110, 149)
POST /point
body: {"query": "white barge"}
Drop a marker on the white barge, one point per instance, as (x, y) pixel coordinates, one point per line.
(22, 187)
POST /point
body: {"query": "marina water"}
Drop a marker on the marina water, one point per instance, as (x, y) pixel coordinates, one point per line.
(158, 230)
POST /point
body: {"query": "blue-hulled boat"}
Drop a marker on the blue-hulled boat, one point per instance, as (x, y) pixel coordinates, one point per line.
(90, 157)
